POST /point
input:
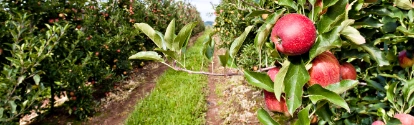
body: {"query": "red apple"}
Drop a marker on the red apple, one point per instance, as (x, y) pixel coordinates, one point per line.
(405, 119)
(378, 123)
(325, 70)
(119, 51)
(51, 20)
(1, 51)
(348, 71)
(96, 53)
(296, 32)
(404, 60)
(273, 105)
(272, 73)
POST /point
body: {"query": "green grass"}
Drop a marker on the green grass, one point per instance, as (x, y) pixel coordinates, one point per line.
(178, 98)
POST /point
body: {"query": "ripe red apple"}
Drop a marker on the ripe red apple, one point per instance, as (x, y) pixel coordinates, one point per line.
(378, 122)
(1, 51)
(272, 73)
(273, 105)
(348, 71)
(296, 32)
(404, 60)
(325, 70)
(72, 93)
(405, 119)
(51, 20)
(119, 51)
(96, 53)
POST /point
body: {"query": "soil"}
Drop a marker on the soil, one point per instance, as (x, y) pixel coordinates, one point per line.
(231, 100)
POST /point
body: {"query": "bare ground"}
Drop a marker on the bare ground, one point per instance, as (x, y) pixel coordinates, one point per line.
(231, 100)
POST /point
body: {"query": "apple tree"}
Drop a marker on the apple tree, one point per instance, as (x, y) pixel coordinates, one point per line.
(331, 61)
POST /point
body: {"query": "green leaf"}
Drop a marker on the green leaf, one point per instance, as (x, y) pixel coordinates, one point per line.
(324, 112)
(151, 33)
(325, 42)
(260, 80)
(257, 13)
(376, 54)
(168, 53)
(303, 117)
(353, 34)
(332, 17)
(289, 3)
(317, 92)
(169, 35)
(266, 28)
(279, 81)
(296, 77)
(1, 112)
(265, 118)
(183, 36)
(408, 89)
(375, 85)
(20, 79)
(404, 4)
(13, 107)
(238, 42)
(36, 78)
(391, 92)
(224, 59)
(328, 40)
(342, 86)
(147, 55)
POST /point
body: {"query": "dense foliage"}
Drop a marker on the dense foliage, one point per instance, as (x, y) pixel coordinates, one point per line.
(70, 53)
(386, 27)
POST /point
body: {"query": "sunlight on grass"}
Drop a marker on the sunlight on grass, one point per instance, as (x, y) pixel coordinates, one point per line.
(178, 97)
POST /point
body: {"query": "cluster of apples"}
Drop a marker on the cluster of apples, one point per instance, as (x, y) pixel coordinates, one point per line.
(293, 35)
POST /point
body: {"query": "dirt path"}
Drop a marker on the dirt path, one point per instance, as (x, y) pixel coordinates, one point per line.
(231, 100)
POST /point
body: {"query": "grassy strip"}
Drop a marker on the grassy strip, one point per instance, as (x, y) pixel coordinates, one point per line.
(178, 97)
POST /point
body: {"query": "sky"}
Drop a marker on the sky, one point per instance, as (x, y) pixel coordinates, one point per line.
(205, 7)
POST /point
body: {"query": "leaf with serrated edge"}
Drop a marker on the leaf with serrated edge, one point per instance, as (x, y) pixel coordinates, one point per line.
(342, 86)
(279, 85)
(150, 32)
(317, 92)
(265, 118)
(169, 35)
(238, 42)
(296, 77)
(147, 55)
(258, 79)
(353, 34)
